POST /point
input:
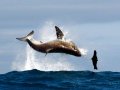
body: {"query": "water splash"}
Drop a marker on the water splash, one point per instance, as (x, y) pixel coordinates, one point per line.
(30, 59)
(45, 63)
(83, 51)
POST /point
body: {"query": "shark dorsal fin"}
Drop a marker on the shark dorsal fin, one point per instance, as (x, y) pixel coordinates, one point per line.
(59, 33)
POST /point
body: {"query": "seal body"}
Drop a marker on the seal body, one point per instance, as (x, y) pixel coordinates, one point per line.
(95, 59)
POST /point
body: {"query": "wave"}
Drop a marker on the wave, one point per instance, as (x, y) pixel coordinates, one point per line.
(52, 80)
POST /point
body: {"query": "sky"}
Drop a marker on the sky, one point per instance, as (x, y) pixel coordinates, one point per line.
(91, 24)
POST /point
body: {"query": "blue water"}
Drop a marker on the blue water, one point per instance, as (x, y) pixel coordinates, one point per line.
(60, 80)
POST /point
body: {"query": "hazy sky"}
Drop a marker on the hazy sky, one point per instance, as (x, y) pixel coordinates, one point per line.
(92, 24)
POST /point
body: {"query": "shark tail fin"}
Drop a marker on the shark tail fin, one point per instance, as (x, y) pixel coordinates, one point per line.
(29, 36)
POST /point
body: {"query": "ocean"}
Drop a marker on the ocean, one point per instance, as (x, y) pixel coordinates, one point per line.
(59, 80)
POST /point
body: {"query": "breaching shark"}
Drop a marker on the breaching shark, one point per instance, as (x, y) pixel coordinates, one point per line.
(55, 46)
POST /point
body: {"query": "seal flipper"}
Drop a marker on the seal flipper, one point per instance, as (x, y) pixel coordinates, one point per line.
(59, 33)
(29, 36)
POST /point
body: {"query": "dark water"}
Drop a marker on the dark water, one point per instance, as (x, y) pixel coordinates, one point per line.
(61, 80)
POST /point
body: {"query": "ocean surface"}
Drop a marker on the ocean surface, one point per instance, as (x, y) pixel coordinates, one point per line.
(59, 80)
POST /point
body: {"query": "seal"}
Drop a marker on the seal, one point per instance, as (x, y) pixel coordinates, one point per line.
(95, 59)
(55, 46)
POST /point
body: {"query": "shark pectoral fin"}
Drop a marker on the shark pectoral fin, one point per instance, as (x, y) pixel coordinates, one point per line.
(46, 54)
(48, 50)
